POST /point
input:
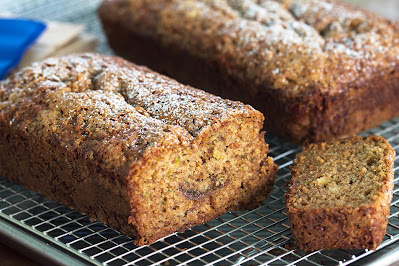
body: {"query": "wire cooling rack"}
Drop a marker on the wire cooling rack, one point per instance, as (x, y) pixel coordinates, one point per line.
(258, 236)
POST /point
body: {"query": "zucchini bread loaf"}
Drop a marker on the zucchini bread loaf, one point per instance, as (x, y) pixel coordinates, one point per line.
(340, 193)
(130, 147)
(318, 69)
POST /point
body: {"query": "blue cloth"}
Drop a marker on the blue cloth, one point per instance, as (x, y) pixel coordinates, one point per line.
(16, 35)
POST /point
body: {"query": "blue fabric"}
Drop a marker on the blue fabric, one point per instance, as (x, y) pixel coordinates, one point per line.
(16, 35)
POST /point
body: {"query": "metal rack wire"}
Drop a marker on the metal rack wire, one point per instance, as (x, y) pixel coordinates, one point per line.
(259, 236)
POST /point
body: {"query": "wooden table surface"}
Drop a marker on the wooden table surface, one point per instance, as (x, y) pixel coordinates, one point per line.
(387, 8)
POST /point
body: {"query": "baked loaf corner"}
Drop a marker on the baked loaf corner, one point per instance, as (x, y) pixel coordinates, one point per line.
(129, 147)
(340, 192)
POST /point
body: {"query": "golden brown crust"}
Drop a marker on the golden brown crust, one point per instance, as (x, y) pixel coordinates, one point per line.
(341, 204)
(100, 135)
(310, 66)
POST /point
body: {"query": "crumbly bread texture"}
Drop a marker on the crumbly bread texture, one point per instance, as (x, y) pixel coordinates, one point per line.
(129, 147)
(340, 193)
(318, 69)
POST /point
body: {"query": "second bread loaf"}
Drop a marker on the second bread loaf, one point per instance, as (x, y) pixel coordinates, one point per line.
(318, 69)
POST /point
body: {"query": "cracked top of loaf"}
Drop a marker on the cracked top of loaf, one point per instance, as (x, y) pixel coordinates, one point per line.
(107, 108)
(290, 45)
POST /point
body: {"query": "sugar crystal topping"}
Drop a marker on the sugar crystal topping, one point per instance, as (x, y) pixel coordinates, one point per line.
(306, 40)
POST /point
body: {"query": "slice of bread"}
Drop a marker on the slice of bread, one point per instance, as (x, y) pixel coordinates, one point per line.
(340, 192)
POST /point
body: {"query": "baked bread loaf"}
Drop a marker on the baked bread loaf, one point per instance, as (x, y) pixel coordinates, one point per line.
(340, 193)
(129, 147)
(318, 69)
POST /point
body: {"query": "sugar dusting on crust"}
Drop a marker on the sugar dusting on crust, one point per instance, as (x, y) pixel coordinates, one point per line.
(101, 106)
(292, 45)
(167, 100)
(278, 23)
